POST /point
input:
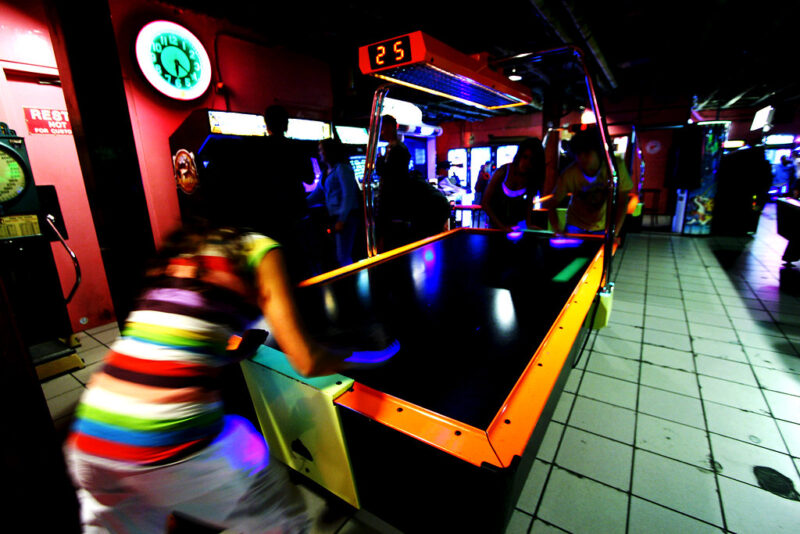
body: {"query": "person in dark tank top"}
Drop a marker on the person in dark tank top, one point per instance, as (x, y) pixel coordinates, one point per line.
(508, 198)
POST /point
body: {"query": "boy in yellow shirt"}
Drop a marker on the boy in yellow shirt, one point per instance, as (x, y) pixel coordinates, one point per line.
(589, 181)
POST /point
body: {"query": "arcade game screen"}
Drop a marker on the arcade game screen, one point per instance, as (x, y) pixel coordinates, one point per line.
(505, 154)
(457, 157)
(358, 163)
(352, 135)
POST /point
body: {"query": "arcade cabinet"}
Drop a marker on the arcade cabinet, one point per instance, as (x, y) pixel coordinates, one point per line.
(788, 215)
(29, 221)
(743, 183)
(207, 149)
(228, 171)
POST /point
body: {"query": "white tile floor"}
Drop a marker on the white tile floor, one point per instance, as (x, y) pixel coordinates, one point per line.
(694, 383)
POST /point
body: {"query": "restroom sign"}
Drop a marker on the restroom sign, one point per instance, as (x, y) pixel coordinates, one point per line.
(48, 121)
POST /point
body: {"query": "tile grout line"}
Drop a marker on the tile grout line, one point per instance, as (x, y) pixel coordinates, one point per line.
(615, 440)
(678, 369)
(712, 462)
(659, 454)
(638, 391)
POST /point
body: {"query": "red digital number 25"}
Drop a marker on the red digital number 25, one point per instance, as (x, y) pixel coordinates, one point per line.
(399, 53)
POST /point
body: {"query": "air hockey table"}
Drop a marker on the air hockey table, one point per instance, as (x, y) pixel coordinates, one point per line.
(443, 435)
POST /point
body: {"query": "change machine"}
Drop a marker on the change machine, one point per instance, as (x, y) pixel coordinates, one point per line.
(29, 221)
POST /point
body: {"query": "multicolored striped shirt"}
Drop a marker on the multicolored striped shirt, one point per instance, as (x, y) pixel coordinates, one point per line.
(157, 398)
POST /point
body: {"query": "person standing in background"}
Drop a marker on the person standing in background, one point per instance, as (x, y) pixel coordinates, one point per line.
(392, 168)
(484, 175)
(338, 190)
(588, 179)
(794, 188)
(508, 199)
(286, 169)
(785, 175)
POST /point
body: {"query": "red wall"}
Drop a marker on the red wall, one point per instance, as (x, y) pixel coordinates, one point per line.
(25, 53)
(253, 75)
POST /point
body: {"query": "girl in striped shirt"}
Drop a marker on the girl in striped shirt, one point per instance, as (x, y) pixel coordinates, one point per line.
(150, 435)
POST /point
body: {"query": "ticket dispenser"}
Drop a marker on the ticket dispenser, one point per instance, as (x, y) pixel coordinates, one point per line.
(28, 268)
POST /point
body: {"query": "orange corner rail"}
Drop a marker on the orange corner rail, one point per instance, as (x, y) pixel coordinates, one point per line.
(449, 435)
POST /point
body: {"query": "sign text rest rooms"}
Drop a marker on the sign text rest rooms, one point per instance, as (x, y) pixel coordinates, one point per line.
(48, 121)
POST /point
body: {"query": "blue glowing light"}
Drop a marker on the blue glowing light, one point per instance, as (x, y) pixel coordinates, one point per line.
(514, 236)
(375, 356)
(565, 242)
(428, 255)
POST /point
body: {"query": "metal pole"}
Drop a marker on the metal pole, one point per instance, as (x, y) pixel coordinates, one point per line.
(370, 187)
(638, 156)
(611, 210)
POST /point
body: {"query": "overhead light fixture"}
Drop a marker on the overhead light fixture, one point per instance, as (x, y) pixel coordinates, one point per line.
(514, 76)
(736, 143)
(421, 62)
(587, 117)
(763, 119)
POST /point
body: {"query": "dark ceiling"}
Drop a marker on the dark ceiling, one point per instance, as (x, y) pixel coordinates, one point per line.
(720, 54)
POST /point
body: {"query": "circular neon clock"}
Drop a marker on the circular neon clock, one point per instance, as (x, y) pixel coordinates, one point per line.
(173, 60)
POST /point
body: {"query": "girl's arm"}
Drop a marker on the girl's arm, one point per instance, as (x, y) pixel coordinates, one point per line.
(488, 195)
(308, 357)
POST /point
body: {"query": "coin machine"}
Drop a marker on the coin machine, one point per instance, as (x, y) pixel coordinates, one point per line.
(30, 219)
(447, 429)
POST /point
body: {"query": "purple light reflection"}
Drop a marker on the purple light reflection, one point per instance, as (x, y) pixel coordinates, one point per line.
(565, 242)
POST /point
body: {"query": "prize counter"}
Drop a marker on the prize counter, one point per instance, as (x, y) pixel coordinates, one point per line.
(443, 435)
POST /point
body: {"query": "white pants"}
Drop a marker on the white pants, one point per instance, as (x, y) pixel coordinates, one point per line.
(232, 484)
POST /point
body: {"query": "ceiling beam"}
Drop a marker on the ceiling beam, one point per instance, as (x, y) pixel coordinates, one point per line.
(588, 40)
(704, 103)
(736, 98)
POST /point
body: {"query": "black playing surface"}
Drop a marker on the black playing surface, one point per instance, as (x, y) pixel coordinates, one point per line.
(469, 311)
